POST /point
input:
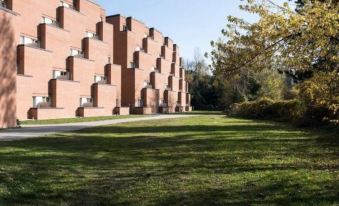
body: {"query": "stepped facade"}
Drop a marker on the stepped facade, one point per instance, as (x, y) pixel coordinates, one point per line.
(64, 58)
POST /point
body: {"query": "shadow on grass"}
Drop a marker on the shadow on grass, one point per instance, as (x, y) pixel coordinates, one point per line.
(237, 164)
(201, 112)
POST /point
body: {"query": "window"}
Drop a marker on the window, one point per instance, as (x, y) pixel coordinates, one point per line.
(100, 79)
(40, 101)
(64, 4)
(91, 35)
(86, 102)
(139, 103)
(147, 84)
(124, 28)
(77, 52)
(47, 20)
(3, 3)
(60, 74)
(29, 41)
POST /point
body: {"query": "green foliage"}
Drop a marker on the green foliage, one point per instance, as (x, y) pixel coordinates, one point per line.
(282, 39)
(292, 110)
(286, 54)
(205, 93)
(321, 94)
(250, 86)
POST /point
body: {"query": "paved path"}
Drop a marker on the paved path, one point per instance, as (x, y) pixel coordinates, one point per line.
(33, 131)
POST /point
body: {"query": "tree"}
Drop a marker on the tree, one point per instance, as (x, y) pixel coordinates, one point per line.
(204, 95)
(300, 43)
(293, 41)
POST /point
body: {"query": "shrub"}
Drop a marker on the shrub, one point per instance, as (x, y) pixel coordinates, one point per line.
(291, 110)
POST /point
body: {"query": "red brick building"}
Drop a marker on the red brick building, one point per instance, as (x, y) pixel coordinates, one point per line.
(64, 58)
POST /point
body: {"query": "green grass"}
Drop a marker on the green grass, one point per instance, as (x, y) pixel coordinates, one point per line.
(76, 120)
(205, 160)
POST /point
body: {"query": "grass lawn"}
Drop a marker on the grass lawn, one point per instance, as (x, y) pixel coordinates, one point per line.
(75, 120)
(206, 160)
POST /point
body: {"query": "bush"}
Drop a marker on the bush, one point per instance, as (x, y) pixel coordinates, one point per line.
(294, 111)
(291, 110)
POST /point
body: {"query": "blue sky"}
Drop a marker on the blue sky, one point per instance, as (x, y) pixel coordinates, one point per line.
(190, 23)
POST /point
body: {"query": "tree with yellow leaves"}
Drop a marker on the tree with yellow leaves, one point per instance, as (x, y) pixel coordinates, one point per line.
(292, 41)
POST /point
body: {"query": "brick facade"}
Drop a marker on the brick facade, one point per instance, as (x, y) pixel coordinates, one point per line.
(62, 59)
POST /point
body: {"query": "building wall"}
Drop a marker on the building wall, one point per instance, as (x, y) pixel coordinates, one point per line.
(139, 66)
(151, 58)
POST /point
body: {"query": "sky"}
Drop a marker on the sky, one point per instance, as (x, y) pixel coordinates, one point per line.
(192, 24)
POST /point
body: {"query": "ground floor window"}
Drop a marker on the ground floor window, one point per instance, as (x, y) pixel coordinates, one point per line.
(3, 3)
(41, 101)
(86, 102)
(139, 103)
